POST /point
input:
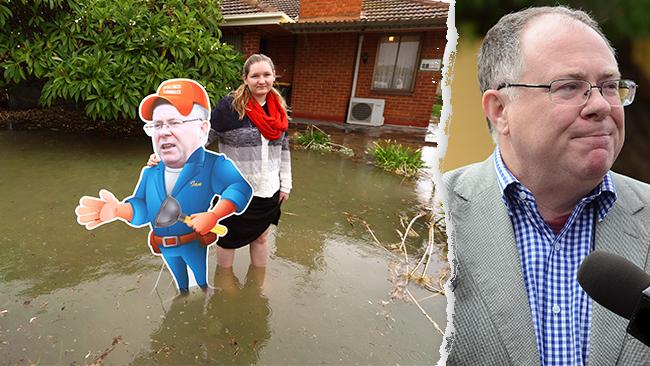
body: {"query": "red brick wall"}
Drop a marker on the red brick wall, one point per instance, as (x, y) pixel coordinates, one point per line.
(251, 43)
(322, 77)
(324, 68)
(413, 109)
(348, 9)
(282, 50)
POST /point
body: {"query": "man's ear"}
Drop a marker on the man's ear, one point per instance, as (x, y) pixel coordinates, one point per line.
(494, 107)
(205, 127)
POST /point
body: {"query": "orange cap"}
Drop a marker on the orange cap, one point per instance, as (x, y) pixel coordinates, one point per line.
(181, 93)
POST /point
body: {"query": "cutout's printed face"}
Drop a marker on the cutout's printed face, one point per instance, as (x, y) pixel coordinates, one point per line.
(175, 144)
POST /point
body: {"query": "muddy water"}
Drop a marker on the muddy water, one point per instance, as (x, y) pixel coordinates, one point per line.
(71, 296)
(360, 140)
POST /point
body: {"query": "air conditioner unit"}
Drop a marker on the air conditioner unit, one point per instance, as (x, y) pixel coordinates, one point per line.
(365, 111)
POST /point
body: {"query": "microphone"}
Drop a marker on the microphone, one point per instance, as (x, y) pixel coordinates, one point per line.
(621, 287)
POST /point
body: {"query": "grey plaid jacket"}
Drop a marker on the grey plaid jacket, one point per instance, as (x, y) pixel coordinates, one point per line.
(492, 321)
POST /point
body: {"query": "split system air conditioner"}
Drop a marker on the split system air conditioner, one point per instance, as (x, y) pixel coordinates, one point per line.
(365, 111)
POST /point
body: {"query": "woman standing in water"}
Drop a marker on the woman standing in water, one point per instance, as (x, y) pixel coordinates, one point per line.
(251, 124)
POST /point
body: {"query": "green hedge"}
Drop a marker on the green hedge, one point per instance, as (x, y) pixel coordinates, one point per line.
(106, 55)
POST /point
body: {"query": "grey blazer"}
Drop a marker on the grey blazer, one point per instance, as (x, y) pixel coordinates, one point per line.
(491, 321)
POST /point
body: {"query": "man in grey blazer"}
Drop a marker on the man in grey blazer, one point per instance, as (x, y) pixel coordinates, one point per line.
(521, 222)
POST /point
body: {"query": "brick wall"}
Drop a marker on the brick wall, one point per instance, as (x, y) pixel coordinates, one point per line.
(324, 68)
(322, 77)
(413, 109)
(342, 9)
(251, 43)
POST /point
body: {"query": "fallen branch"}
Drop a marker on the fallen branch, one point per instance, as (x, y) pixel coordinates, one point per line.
(427, 253)
(98, 361)
(424, 312)
(403, 245)
(352, 218)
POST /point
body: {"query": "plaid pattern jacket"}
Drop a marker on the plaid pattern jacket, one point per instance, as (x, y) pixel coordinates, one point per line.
(492, 322)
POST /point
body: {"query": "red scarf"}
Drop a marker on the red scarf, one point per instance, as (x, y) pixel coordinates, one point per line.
(275, 123)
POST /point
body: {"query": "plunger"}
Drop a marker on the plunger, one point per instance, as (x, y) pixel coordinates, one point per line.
(170, 212)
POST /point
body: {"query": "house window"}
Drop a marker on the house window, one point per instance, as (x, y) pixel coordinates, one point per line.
(396, 63)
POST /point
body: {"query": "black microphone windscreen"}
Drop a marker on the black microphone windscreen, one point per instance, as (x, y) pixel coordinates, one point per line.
(613, 282)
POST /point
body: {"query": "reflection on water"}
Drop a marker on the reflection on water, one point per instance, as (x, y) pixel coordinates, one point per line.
(66, 293)
(204, 329)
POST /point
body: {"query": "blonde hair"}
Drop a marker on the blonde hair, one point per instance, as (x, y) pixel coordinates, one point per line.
(242, 94)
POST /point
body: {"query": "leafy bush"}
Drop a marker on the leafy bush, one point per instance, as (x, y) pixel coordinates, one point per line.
(107, 55)
(396, 158)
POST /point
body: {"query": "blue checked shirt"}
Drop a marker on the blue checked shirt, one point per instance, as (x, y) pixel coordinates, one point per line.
(560, 309)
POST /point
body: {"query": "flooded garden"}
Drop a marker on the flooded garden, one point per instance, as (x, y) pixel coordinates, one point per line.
(327, 296)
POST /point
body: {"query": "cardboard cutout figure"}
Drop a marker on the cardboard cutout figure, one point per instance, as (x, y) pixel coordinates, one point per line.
(174, 196)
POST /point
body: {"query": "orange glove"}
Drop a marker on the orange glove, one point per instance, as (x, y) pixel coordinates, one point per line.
(93, 211)
(203, 222)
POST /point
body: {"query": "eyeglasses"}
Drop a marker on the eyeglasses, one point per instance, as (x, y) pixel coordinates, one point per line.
(157, 126)
(576, 92)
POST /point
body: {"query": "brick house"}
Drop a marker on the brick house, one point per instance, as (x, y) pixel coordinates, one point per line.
(346, 60)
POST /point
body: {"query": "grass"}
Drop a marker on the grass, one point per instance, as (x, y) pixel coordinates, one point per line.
(316, 139)
(396, 158)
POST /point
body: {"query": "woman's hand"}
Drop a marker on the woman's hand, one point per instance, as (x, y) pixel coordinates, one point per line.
(153, 160)
(283, 197)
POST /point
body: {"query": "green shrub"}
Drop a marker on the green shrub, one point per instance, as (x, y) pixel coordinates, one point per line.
(106, 55)
(396, 158)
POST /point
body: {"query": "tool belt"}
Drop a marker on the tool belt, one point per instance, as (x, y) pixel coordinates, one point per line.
(155, 242)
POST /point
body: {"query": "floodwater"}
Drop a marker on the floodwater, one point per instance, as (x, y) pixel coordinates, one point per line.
(72, 296)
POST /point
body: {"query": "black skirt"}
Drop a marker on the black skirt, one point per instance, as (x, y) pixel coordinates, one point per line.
(244, 228)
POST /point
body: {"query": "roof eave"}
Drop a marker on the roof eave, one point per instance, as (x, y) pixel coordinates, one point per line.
(361, 26)
(271, 18)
